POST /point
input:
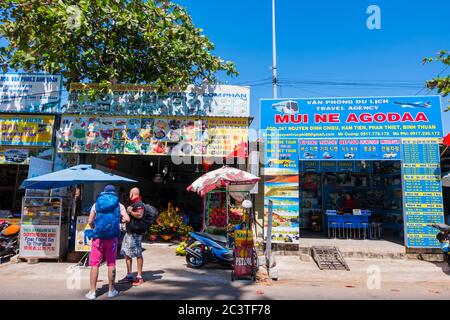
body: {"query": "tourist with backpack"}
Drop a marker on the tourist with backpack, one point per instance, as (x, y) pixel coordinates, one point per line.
(141, 217)
(104, 219)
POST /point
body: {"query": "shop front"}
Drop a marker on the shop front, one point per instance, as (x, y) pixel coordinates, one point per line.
(27, 107)
(164, 142)
(353, 168)
(23, 137)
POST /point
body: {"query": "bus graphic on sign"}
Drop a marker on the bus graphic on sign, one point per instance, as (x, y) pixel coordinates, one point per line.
(289, 107)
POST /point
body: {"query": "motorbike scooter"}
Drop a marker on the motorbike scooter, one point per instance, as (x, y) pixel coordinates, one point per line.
(202, 247)
(9, 240)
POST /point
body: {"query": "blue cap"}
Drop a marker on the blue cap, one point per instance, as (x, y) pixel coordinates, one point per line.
(109, 188)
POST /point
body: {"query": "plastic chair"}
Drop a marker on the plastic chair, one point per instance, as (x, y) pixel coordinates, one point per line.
(349, 229)
(333, 227)
(365, 227)
(375, 230)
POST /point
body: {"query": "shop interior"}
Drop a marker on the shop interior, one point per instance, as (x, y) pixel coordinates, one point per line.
(349, 188)
(159, 180)
(11, 176)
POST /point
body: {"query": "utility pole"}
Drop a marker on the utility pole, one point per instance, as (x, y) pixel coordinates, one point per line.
(274, 53)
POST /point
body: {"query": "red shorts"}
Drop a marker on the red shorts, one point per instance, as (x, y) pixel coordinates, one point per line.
(102, 248)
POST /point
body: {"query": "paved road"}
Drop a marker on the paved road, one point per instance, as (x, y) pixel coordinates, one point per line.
(167, 277)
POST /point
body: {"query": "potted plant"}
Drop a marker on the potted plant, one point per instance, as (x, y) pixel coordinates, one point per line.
(153, 231)
(166, 234)
(183, 231)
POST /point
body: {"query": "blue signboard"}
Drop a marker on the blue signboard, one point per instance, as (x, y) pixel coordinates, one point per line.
(352, 118)
(422, 191)
(354, 135)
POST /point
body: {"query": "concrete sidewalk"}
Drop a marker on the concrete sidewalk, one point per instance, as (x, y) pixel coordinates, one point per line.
(167, 277)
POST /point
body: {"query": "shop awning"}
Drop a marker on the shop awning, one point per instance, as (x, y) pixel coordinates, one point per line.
(72, 176)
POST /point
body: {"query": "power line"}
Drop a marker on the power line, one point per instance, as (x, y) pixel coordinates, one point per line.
(425, 86)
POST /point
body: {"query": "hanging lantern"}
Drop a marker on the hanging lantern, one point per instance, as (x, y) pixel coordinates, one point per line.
(113, 163)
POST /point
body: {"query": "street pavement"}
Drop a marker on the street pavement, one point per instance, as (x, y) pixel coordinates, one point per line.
(167, 277)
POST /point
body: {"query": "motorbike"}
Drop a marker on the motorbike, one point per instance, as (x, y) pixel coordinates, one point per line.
(202, 248)
(9, 239)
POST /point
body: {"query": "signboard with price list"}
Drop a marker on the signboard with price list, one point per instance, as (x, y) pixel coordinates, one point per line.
(332, 131)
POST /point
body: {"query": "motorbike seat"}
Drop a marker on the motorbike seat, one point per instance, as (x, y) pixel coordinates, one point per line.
(213, 237)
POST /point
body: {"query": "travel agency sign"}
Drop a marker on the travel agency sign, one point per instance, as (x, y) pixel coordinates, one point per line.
(329, 131)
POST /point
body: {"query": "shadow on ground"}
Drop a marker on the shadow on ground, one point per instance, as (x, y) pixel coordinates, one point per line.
(212, 282)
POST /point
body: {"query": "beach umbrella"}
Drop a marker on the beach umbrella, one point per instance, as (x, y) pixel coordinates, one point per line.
(225, 177)
(80, 174)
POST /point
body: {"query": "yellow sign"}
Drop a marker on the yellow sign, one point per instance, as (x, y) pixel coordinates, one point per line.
(26, 130)
(82, 225)
(243, 238)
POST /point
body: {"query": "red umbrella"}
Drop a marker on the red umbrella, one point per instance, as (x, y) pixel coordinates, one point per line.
(234, 179)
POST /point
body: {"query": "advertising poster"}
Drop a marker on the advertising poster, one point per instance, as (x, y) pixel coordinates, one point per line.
(221, 136)
(328, 149)
(390, 149)
(352, 118)
(23, 92)
(281, 185)
(370, 149)
(150, 136)
(422, 192)
(308, 149)
(39, 241)
(349, 149)
(131, 99)
(26, 130)
(82, 225)
(285, 219)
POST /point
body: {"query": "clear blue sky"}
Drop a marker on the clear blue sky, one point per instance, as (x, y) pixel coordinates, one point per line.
(328, 40)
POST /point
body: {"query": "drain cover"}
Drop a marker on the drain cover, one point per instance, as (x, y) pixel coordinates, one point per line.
(329, 258)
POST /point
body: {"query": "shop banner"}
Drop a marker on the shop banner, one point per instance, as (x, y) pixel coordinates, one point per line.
(23, 92)
(352, 149)
(39, 241)
(23, 155)
(130, 99)
(285, 219)
(82, 225)
(422, 192)
(281, 185)
(352, 118)
(26, 130)
(149, 135)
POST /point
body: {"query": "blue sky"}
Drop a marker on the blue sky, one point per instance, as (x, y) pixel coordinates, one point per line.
(328, 40)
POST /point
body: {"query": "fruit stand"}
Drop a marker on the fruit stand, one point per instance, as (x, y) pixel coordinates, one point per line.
(221, 212)
(223, 190)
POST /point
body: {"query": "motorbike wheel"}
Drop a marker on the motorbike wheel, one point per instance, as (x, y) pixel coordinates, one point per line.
(194, 262)
(232, 276)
